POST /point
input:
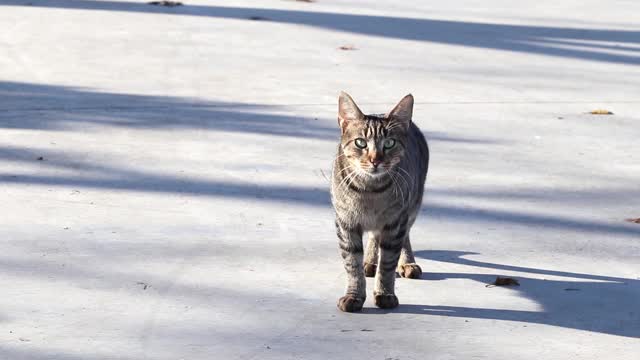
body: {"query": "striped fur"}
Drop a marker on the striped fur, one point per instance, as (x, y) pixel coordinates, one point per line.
(378, 191)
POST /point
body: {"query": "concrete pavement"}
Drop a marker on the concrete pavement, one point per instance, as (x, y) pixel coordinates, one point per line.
(180, 207)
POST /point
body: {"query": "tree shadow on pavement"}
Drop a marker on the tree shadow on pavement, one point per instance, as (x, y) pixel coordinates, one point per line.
(578, 43)
(52, 107)
(586, 302)
(49, 107)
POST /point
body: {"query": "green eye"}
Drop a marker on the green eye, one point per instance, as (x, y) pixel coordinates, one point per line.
(361, 143)
(389, 143)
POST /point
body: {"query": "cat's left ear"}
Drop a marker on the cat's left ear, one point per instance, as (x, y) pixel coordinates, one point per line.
(403, 112)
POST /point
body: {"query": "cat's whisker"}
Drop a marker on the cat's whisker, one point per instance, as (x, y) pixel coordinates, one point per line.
(402, 178)
(346, 168)
(339, 156)
(401, 192)
(341, 171)
(350, 174)
(356, 173)
(393, 178)
(351, 181)
(405, 171)
(346, 180)
(350, 177)
(408, 177)
(395, 185)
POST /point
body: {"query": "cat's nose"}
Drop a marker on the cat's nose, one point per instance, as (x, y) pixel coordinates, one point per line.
(375, 162)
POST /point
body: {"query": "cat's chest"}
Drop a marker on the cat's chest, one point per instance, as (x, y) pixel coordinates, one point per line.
(371, 212)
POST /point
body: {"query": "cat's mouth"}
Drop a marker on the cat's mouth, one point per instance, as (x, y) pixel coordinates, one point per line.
(375, 172)
(371, 172)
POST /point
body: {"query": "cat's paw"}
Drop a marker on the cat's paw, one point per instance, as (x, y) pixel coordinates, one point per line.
(410, 271)
(386, 301)
(370, 269)
(350, 303)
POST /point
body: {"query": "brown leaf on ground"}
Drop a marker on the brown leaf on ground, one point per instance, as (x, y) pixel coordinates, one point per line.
(635, 221)
(143, 284)
(165, 3)
(600, 112)
(347, 47)
(504, 281)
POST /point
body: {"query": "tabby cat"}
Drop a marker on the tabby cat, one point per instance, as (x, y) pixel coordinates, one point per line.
(377, 185)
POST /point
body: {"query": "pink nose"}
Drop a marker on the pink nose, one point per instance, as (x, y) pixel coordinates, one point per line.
(375, 162)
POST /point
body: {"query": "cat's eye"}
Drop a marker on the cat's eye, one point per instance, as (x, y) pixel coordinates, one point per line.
(360, 143)
(389, 143)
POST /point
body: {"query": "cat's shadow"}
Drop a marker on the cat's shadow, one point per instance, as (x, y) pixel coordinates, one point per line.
(586, 302)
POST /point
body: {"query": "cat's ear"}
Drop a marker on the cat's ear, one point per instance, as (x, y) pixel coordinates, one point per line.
(348, 111)
(403, 112)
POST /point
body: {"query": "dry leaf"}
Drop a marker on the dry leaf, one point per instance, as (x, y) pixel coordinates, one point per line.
(347, 47)
(165, 3)
(504, 281)
(635, 221)
(600, 112)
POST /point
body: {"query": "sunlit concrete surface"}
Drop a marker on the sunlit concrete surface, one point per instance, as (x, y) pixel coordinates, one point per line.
(164, 178)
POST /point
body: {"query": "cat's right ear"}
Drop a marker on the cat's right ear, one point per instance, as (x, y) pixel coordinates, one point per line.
(348, 111)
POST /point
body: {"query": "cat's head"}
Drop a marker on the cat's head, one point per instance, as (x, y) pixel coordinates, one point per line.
(373, 144)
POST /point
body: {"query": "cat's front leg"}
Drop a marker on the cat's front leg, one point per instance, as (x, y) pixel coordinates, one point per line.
(392, 238)
(350, 242)
(371, 254)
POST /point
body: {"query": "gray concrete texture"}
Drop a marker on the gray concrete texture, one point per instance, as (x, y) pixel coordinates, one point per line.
(180, 209)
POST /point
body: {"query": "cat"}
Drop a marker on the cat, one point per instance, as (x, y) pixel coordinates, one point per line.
(377, 186)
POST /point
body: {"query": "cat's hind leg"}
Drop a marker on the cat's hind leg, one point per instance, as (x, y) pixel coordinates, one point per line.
(407, 266)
